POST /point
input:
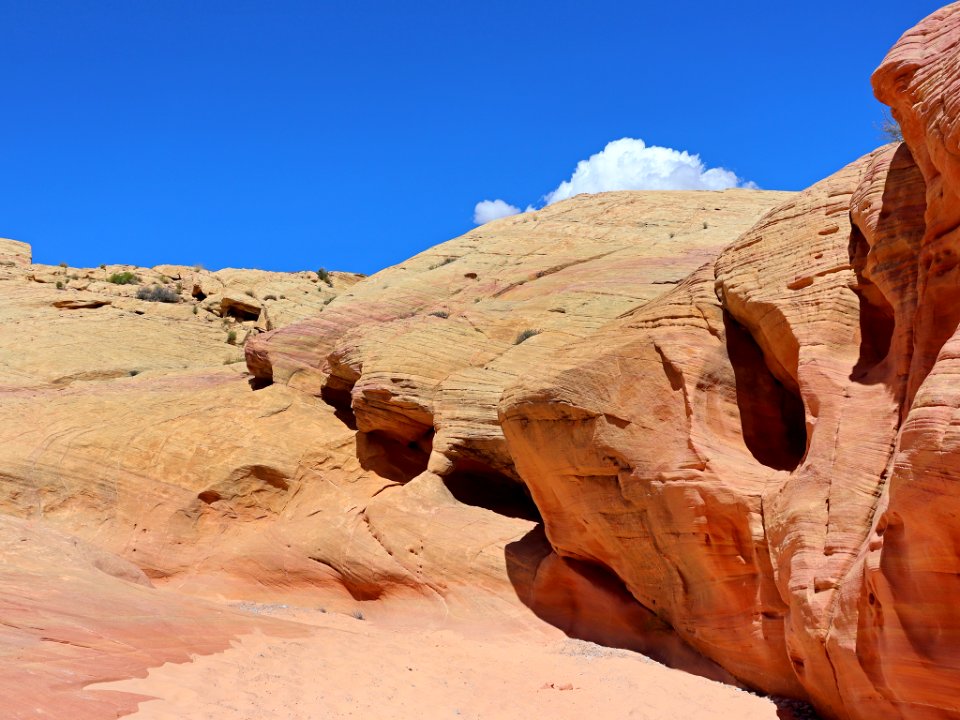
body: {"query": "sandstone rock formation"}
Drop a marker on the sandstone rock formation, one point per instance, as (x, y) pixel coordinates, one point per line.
(421, 352)
(718, 428)
(220, 485)
(60, 324)
(759, 453)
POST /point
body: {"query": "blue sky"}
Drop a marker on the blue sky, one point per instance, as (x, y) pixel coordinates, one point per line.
(351, 135)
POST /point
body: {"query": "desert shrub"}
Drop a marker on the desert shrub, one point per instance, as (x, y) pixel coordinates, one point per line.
(195, 310)
(232, 337)
(59, 285)
(704, 224)
(63, 265)
(124, 278)
(157, 293)
(325, 277)
(890, 129)
(440, 314)
(358, 614)
(445, 261)
(525, 335)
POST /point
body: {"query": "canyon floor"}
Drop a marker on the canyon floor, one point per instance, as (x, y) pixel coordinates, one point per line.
(345, 667)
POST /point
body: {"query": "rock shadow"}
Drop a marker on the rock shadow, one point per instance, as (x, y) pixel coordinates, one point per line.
(391, 458)
(771, 414)
(477, 484)
(588, 602)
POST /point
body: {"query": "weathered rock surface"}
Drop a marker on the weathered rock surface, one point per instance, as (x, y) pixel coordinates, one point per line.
(908, 622)
(14, 253)
(719, 428)
(421, 352)
(60, 325)
(734, 450)
(216, 489)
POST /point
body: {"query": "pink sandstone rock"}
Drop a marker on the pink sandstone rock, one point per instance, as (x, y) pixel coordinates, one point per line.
(829, 387)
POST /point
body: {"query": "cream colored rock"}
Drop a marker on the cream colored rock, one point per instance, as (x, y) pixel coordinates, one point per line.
(14, 253)
(60, 325)
(421, 352)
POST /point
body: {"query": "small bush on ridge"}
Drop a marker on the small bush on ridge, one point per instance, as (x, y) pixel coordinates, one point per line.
(157, 293)
(124, 278)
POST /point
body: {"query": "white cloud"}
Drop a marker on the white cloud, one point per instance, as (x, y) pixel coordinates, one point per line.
(487, 210)
(628, 164)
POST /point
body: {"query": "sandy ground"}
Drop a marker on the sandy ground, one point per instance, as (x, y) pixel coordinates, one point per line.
(347, 667)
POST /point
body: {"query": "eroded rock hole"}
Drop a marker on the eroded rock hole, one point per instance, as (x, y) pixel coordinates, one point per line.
(771, 414)
(264, 473)
(241, 312)
(259, 383)
(588, 601)
(209, 496)
(876, 314)
(396, 460)
(337, 394)
(473, 483)
(360, 588)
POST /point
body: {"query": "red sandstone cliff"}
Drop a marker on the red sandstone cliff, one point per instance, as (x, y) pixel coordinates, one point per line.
(767, 456)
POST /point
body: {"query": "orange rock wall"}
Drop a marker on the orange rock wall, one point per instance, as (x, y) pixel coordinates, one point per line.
(766, 456)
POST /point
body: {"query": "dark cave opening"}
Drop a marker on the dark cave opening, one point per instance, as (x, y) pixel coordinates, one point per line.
(475, 483)
(241, 313)
(337, 394)
(771, 414)
(391, 458)
(877, 321)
